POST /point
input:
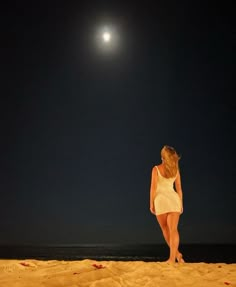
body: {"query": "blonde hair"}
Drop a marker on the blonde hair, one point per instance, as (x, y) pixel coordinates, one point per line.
(170, 161)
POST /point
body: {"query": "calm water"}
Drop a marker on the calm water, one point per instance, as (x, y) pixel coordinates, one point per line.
(192, 252)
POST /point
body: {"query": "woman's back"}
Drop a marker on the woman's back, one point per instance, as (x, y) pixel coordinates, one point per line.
(164, 184)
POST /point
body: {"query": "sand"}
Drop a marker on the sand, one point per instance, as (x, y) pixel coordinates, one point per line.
(84, 273)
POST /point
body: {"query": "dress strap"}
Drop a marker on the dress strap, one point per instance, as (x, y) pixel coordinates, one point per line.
(157, 169)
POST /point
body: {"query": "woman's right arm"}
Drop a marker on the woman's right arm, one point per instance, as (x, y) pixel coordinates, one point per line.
(153, 189)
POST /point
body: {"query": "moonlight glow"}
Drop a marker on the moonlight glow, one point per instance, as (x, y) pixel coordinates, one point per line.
(106, 37)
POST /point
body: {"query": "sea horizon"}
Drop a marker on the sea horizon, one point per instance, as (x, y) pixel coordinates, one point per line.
(193, 252)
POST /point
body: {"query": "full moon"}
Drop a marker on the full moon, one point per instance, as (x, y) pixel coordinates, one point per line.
(106, 37)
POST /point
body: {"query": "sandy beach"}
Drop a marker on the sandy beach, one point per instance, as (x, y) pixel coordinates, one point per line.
(90, 273)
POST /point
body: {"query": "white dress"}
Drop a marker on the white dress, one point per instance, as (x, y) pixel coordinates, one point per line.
(166, 199)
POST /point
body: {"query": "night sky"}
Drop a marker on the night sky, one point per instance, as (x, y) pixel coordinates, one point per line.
(82, 126)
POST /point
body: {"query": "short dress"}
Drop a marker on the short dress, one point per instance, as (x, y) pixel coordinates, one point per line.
(166, 199)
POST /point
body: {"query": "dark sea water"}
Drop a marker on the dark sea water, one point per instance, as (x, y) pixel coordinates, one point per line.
(209, 253)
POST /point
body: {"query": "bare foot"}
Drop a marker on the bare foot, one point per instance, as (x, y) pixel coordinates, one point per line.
(170, 262)
(180, 258)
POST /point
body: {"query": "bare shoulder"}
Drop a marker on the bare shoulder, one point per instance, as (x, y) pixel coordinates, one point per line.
(154, 173)
(178, 175)
(178, 172)
(154, 168)
(157, 168)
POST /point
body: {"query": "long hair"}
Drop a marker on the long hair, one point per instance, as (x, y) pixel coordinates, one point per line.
(170, 161)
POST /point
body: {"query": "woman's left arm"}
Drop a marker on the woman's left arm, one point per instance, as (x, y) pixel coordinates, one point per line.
(178, 187)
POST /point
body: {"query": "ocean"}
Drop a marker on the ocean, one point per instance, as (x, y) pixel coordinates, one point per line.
(209, 253)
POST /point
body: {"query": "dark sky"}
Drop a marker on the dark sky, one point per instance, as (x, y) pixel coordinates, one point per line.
(81, 128)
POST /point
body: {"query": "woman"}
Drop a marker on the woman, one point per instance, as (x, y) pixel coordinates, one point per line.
(166, 199)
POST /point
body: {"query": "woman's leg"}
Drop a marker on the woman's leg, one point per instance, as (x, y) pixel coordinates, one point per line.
(162, 220)
(172, 223)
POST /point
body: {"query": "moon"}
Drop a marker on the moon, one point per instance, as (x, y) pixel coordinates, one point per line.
(106, 37)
